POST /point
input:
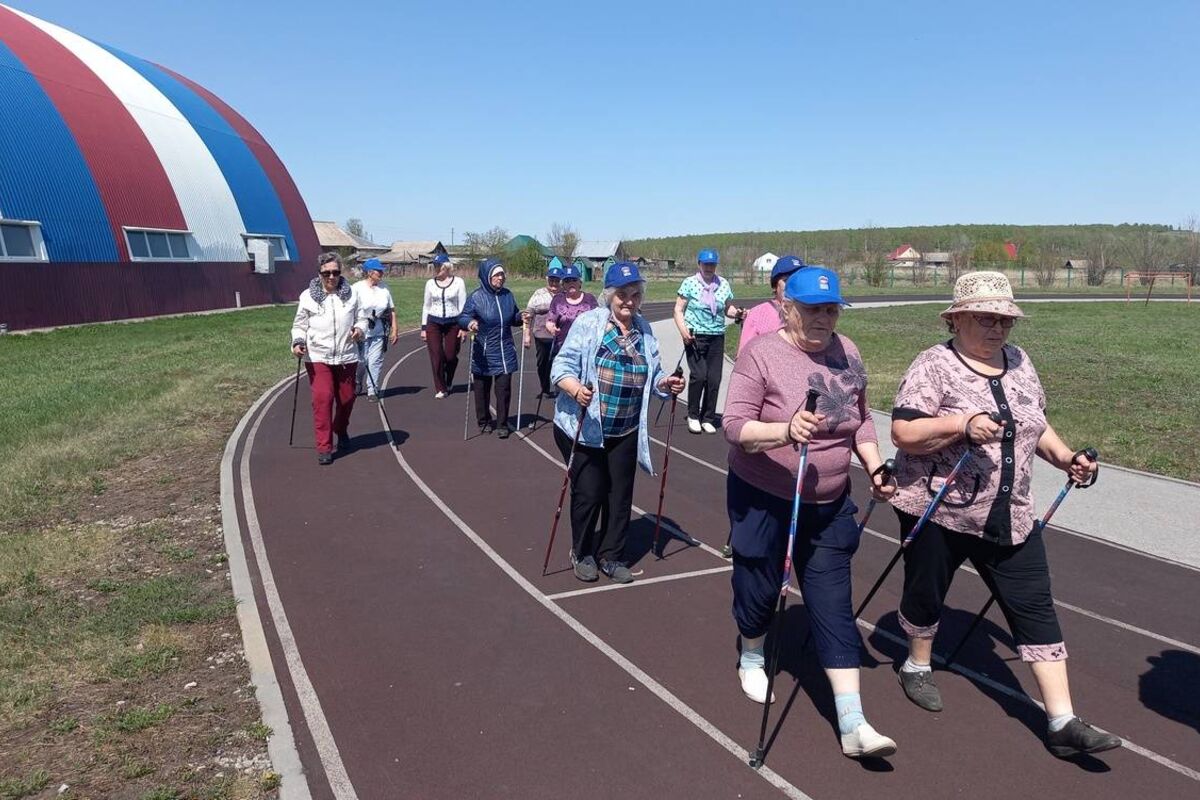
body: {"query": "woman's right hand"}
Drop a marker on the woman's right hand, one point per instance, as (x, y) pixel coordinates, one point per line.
(583, 395)
(687, 336)
(298, 350)
(551, 328)
(981, 430)
(422, 334)
(473, 326)
(803, 425)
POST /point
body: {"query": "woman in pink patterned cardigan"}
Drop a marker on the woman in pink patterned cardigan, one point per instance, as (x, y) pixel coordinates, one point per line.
(987, 517)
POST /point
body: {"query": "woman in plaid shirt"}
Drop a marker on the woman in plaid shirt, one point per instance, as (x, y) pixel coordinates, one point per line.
(613, 350)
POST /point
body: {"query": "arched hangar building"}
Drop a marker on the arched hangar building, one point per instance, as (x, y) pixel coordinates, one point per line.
(127, 190)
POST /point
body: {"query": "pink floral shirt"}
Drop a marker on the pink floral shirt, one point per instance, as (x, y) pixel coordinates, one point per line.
(992, 497)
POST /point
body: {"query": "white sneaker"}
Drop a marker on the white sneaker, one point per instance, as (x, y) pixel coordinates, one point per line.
(866, 742)
(440, 395)
(693, 425)
(754, 684)
(708, 427)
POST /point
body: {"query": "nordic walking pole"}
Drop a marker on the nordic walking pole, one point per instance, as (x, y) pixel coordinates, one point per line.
(756, 758)
(1091, 455)
(521, 375)
(933, 504)
(470, 387)
(678, 370)
(662, 488)
(379, 396)
(295, 395)
(566, 479)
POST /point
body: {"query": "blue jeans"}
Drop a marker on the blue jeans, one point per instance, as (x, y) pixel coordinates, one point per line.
(826, 539)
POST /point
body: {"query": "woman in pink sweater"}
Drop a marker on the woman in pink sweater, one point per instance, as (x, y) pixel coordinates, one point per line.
(768, 317)
(763, 420)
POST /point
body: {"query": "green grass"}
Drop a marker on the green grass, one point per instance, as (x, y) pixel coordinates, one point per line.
(1119, 377)
(16, 788)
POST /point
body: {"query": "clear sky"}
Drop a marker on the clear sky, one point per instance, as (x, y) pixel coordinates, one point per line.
(657, 117)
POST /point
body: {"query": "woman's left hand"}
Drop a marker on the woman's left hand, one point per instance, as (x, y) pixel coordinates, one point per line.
(1082, 468)
(882, 491)
(672, 384)
(356, 335)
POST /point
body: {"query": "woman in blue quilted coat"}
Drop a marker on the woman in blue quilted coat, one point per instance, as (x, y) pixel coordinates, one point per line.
(490, 313)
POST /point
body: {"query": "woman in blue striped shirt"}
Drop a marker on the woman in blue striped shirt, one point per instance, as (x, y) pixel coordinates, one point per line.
(611, 349)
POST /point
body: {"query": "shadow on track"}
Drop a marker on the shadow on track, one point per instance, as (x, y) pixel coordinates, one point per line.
(1168, 688)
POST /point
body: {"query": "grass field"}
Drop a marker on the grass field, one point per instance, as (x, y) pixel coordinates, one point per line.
(1119, 377)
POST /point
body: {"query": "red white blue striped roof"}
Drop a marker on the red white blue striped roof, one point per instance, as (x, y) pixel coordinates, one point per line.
(100, 140)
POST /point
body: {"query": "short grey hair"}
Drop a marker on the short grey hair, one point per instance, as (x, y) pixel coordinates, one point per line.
(612, 290)
(325, 258)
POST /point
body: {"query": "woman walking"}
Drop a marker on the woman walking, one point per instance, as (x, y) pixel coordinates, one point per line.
(768, 317)
(987, 517)
(764, 420)
(705, 301)
(328, 325)
(538, 310)
(608, 366)
(375, 301)
(568, 305)
(445, 296)
(491, 313)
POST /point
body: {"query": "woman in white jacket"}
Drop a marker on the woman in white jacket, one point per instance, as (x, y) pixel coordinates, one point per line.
(445, 295)
(328, 326)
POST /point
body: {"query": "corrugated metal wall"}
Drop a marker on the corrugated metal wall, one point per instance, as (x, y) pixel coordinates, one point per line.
(44, 295)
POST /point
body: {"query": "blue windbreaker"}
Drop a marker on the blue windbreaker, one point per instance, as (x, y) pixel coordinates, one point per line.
(497, 312)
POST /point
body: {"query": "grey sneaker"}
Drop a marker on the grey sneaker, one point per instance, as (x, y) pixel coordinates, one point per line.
(616, 571)
(920, 688)
(585, 568)
(1079, 737)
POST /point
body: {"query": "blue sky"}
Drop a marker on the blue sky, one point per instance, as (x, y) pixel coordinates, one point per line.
(631, 119)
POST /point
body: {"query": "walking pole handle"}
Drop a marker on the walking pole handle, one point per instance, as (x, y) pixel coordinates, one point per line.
(1090, 454)
(810, 405)
(887, 469)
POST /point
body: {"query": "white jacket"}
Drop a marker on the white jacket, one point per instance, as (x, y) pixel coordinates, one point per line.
(376, 303)
(446, 303)
(324, 321)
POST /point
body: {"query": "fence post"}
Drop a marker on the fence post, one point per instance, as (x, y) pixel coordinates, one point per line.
(892, 278)
(1022, 276)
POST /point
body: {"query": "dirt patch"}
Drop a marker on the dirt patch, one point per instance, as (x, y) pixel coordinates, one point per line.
(122, 674)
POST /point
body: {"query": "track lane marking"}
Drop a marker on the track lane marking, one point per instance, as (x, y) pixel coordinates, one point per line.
(612, 587)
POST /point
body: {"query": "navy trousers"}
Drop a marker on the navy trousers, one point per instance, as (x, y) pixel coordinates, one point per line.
(826, 539)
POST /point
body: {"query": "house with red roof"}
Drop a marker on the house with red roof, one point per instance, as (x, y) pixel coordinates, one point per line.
(904, 256)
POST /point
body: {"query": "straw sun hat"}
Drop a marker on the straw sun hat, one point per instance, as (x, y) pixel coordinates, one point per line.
(984, 293)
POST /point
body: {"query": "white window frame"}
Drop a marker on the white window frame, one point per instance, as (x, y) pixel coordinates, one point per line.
(279, 237)
(128, 229)
(35, 233)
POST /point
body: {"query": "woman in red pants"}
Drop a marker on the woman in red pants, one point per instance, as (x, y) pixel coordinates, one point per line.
(329, 323)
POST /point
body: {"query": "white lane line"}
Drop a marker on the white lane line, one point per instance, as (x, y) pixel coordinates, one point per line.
(314, 716)
(612, 587)
(691, 457)
(633, 670)
(1116, 623)
(281, 745)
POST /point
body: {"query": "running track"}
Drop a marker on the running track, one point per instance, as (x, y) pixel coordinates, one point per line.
(419, 652)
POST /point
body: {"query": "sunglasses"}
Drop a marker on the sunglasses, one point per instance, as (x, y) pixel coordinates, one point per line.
(990, 322)
(330, 273)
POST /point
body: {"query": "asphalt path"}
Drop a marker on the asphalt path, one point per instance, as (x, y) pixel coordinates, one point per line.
(420, 652)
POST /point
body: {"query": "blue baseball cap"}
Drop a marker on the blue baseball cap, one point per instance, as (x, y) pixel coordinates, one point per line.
(572, 273)
(372, 264)
(620, 274)
(814, 286)
(441, 258)
(784, 267)
(555, 272)
(707, 256)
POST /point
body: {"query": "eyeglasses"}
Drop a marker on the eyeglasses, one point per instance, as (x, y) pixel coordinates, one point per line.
(990, 321)
(330, 273)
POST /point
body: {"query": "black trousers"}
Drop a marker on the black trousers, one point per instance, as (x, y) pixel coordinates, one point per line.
(544, 347)
(706, 361)
(1018, 576)
(483, 387)
(601, 491)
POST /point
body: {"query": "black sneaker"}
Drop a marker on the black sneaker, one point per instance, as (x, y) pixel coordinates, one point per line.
(920, 688)
(324, 459)
(503, 432)
(616, 571)
(585, 568)
(343, 443)
(487, 427)
(1079, 737)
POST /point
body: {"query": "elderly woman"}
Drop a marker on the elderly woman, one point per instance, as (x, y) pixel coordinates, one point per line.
(764, 421)
(568, 304)
(538, 309)
(491, 312)
(375, 300)
(329, 322)
(705, 301)
(445, 296)
(608, 365)
(768, 317)
(987, 518)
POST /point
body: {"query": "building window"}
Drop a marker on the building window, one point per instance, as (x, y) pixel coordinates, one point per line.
(21, 241)
(158, 245)
(279, 251)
